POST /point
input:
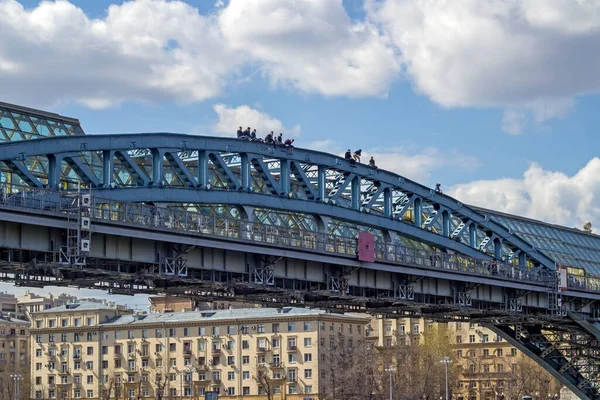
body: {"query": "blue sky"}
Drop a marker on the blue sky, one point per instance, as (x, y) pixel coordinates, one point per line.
(495, 100)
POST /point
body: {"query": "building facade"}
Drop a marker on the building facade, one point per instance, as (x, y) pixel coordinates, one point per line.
(93, 351)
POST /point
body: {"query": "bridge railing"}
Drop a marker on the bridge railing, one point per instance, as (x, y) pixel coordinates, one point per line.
(161, 218)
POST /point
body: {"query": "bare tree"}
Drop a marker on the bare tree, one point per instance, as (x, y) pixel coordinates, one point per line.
(113, 387)
(160, 384)
(264, 379)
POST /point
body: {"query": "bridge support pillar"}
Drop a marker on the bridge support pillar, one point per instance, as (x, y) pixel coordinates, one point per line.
(321, 183)
(446, 224)
(284, 176)
(54, 171)
(387, 202)
(498, 248)
(107, 167)
(417, 212)
(245, 177)
(202, 169)
(473, 235)
(356, 193)
(522, 258)
(157, 166)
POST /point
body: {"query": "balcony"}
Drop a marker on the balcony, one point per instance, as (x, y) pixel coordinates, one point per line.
(292, 379)
(64, 372)
(262, 349)
(187, 351)
(131, 356)
(292, 347)
(145, 355)
(216, 351)
(77, 356)
(216, 381)
(276, 365)
(117, 355)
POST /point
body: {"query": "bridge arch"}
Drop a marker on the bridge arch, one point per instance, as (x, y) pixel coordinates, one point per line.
(185, 169)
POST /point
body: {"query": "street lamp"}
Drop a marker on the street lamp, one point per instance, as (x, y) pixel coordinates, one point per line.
(17, 378)
(446, 360)
(391, 369)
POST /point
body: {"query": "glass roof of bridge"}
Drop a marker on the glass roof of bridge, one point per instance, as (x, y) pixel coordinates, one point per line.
(566, 246)
(22, 123)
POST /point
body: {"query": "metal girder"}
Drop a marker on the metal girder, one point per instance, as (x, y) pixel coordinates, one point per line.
(569, 354)
(213, 147)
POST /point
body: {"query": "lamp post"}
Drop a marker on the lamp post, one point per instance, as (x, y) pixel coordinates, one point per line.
(189, 369)
(391, 369)
(17, 378)
(446, 360)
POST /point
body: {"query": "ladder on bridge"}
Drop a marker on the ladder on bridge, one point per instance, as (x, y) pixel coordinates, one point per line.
(554, 294)
(79, 232)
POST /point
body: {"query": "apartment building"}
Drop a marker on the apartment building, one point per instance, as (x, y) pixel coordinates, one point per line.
(14, 345)
(486, 365)
(93, 351)
(31, 302)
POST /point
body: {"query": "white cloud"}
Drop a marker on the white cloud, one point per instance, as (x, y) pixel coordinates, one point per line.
(414, 164)
(141, 51)
(514, 121)
(542, 194)
(529, 55)
(418, 166)
(231, 118)
(312, 46)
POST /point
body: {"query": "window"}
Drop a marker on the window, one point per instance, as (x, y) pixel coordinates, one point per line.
(275, 328)
(172, 332)
(231, 376)
(307, 326)
(245, 329)
(308, 373)
(230, 391)
(38, 323)
(77, 322)
(486, 368)
(90, 321)
(90, 351)
(473, 368)
(231, 330)
(276, 343)
(246, 390)
(471, 338)
(186, 331)
(51, 338)
(388, 328)
(230, 360)
(90, 379)
(416, 329)
(77, 393)
(458, 339)
(245, 359)
(201, 331)
(215, 330)
(172, 346)
(486, 352)
(117, 335)
(513, 352)
(500, 353)
(245, 344)
(331, 327)
(459, 353)
(145, 333)
(51, 323)
(89, 365)
(291, 327)
(308, 389)
(307, 357)
(261, 328)
(307, 342)
(292, 357)
(500, 367)
(292, 389)
(485, 339)
(159, 333)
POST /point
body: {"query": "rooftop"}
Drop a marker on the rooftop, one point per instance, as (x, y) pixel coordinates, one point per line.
(80, 306)
(4, 319)
(200, 316)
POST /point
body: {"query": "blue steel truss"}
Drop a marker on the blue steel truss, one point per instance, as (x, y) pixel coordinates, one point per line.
(320, 190)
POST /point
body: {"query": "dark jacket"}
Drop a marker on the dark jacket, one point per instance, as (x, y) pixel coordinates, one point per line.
(348, 155)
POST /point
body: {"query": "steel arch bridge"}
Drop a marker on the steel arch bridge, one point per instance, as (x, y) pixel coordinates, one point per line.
(318, 203)
(316, 190)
